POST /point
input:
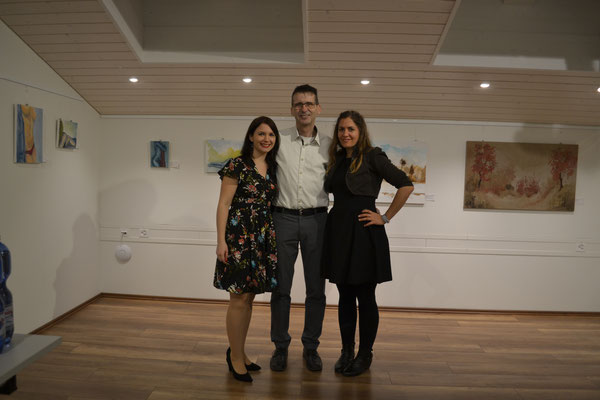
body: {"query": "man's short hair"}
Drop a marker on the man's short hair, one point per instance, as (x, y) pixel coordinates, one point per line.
(306, 88)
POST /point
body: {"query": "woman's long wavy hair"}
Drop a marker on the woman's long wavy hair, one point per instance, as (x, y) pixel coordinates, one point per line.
(362, 146)
(247, 147)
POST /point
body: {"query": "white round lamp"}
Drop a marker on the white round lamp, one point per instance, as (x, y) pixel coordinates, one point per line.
(123, 253)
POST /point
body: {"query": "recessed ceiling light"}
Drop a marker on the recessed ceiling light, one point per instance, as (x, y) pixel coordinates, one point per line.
(598, 90)
(365, 81)
(247, 80)
(484, 85)
(133, 79)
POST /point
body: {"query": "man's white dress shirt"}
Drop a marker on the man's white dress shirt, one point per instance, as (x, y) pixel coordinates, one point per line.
(301, 170)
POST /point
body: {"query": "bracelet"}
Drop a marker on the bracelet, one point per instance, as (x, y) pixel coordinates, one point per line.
(385, 219)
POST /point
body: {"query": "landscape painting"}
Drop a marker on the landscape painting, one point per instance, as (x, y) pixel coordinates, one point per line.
(520, 176)
(29, 133)
(412, 159)
(218, 152)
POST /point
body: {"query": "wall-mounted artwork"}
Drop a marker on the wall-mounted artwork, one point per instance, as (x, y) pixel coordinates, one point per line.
(219, 151)
(159, 154)
(29, 130)
(520, 176)
(66, 134)
(412, 159)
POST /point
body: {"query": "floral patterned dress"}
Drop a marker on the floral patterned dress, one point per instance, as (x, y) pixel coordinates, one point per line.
(249, 232)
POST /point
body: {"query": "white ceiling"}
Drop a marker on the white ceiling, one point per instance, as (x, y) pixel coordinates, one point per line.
(543, 34)
(211, 31)
(191, 56)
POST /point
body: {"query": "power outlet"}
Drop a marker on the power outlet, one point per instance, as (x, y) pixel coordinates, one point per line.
(144, 233)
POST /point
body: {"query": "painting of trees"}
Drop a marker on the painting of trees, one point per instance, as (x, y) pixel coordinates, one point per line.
(520, 176)
(563, 162)
(484, 163)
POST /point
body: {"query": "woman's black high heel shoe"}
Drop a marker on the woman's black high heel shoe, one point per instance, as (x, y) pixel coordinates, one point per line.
(240, 377)
(253, 367)
(249, 367)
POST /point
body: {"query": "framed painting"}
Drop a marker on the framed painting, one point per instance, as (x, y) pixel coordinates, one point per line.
(219, 151)
(66, 134)
(412, 159)
(159, 154)
(29, 134)
(520, 176)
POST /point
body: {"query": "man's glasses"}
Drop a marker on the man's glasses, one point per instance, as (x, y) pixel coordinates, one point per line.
(308, 105)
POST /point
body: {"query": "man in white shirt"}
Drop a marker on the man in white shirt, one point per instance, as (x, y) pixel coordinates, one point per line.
(299, 215)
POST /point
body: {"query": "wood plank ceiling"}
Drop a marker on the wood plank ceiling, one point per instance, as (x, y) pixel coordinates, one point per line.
(389, 42)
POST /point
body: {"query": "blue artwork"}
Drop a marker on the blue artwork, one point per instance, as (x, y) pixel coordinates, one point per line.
(159, 154)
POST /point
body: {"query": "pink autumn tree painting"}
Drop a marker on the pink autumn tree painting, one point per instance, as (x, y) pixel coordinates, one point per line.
(485, 162)
(563, 163)
(520, 176)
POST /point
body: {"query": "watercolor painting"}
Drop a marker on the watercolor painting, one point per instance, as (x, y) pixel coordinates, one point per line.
(219, 151)
(412, 159)
(29, 132)
(520, 176)
(66, 134)
(159, 154)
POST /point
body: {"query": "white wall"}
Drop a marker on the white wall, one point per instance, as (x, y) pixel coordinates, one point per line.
(48, 212)
(443, 256)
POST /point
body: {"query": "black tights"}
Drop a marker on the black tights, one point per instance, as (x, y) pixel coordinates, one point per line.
(369, 314)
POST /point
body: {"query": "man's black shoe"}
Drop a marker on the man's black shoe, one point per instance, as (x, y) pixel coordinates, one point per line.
(279, 360)
(313, 361)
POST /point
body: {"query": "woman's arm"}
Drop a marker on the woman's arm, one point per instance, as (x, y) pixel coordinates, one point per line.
(228, 188)
(373, 218)
(392, 174)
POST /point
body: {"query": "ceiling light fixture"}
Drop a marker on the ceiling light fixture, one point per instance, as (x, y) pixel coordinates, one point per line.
(484, 85)
(598, 90)
(247, 80)
(133, 79)
(365, 81)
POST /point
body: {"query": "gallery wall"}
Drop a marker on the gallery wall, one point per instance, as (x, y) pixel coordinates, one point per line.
(48, 211)
(443, 256)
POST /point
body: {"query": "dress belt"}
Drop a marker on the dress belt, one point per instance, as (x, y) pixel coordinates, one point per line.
(301, 211)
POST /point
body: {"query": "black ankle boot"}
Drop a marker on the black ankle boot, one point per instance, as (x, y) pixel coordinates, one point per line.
(345, 358)
(360, 364)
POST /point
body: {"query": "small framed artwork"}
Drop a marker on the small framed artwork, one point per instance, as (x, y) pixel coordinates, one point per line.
(66, 134)
(412, 159)
(219, 151)
(29, 134)
(159, 154)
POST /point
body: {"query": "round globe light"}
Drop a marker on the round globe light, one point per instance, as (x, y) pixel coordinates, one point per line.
(123, 253)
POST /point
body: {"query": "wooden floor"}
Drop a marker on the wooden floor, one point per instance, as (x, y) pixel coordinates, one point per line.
(159, 350)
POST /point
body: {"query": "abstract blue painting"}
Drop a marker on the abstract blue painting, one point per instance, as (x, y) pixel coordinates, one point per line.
(159, 154)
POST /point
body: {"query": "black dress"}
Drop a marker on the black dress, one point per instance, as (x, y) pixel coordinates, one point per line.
(249, 232)
(352, 253)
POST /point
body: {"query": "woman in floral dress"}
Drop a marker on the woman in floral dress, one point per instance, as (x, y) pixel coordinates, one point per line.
(246, 247)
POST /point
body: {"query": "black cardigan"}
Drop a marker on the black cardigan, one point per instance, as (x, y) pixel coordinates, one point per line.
(375, 167)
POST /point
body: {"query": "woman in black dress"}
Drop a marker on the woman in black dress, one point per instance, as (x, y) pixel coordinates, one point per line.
(356, 253)
(246, 246)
